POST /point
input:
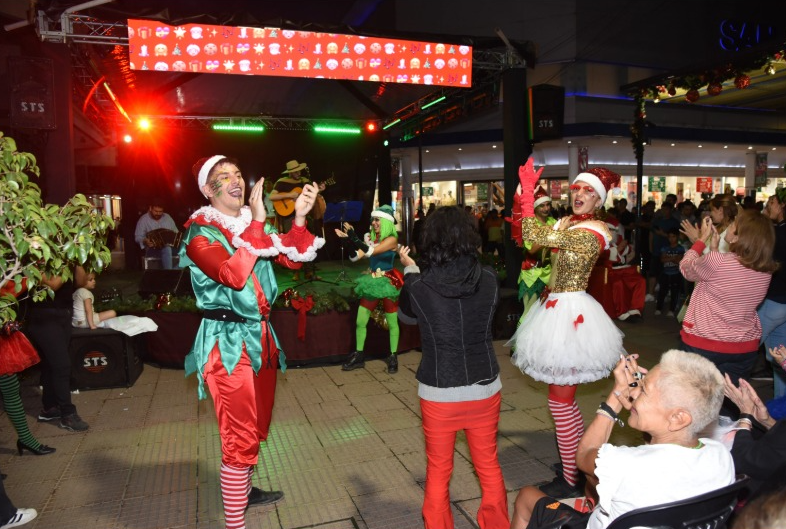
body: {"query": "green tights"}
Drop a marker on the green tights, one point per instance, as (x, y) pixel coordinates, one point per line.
(12, 400)
(362, 323)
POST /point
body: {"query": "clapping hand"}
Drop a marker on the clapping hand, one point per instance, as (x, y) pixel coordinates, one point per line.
(690, 230)
(747, 400)
(256, 201)
(305, 201)
(403, 254)
(779, 354)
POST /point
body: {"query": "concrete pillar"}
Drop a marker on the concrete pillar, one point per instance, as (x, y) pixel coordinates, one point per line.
(407, 199)
(573, 161)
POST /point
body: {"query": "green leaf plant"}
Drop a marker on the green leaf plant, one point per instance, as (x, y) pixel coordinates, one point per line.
(42, 240)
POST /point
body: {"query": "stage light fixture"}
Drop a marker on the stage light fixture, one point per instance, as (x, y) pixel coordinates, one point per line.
(371, 126)
(143, 124)
(386, 127)
(330, 129)
(238, 128)
(432, 103)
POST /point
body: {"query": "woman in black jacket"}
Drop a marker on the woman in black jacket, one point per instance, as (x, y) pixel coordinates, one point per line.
(452, 298)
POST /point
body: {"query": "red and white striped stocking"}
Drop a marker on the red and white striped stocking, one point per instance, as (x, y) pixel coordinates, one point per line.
(235, 486)
(570, 427)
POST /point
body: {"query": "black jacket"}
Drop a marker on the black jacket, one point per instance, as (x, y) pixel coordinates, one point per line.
(454, 307)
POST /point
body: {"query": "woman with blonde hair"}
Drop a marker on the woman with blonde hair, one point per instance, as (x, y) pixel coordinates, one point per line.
(721, 323)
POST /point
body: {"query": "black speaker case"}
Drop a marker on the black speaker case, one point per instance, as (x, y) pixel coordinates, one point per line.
(104, 358)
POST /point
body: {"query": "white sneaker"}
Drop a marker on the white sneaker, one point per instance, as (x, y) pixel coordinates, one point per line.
(658, 313)
(670, 314)
(21, 517)
(648, 298)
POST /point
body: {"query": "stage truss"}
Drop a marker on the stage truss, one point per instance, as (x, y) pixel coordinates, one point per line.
(81, 32)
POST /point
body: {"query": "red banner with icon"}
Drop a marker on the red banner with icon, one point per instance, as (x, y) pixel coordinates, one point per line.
(205, 48)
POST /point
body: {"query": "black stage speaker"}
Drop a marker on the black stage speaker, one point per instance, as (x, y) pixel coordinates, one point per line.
(547, 107)
(156, 282)
(104, 358)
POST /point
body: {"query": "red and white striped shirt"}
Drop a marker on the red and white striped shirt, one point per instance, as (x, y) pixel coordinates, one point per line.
(721, 316)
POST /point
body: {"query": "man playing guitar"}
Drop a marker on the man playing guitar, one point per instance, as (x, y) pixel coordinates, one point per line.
(286, 190)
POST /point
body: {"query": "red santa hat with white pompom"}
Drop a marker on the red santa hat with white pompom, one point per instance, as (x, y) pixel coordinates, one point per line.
(600, 179)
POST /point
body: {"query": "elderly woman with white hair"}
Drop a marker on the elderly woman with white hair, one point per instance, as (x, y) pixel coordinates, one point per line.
(674, 401)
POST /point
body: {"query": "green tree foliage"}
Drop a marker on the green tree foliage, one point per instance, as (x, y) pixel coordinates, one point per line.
(38, 239)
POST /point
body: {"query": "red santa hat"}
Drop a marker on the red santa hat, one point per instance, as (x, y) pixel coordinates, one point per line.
(601, 180)
(202, 168)
(541, 197)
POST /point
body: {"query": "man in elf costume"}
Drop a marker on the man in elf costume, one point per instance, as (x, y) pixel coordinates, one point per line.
(229, 249)
(536, 267)
(382, 283)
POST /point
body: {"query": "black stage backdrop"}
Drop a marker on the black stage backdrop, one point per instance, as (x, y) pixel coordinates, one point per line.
(159, 165)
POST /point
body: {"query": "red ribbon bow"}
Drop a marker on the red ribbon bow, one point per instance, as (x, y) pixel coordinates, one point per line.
(302, 306)
(579, 320)
(551, 303)
(395, 277)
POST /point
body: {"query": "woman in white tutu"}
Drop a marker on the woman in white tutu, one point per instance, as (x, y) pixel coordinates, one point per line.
(567, 339)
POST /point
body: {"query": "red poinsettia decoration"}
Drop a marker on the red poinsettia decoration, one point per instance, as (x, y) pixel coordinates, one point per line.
(742, 81)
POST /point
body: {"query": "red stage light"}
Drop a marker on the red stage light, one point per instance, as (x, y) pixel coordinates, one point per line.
(143, 124)
(371, 126)
(127, 138)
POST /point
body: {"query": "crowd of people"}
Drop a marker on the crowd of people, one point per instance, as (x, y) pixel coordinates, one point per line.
(722, 258)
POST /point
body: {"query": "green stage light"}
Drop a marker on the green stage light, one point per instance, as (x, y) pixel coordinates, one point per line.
(238, 128)
(386, 127)
(336, 130)
(438, 100)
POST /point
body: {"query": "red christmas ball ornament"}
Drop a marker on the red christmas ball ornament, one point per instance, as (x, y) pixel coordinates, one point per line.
(714, 88)
(672, 91)
(692, 96)
(742, 81)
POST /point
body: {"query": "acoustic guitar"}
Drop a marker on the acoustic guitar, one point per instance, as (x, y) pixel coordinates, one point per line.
(286, 207)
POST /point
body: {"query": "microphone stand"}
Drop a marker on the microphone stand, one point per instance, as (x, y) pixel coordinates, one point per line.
(342, 276)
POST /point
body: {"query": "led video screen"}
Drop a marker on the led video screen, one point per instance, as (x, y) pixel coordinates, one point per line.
(203, 48)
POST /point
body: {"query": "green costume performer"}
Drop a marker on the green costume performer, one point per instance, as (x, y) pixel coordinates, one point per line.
(536, 267)
(382, 283)
(229, 249)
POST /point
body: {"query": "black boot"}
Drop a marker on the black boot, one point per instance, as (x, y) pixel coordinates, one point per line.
(355, 361)
(392, 364)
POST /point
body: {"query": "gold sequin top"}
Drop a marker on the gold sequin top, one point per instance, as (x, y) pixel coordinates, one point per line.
(572, 265)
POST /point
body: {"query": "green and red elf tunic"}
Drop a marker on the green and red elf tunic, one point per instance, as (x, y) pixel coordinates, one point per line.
(231, 270)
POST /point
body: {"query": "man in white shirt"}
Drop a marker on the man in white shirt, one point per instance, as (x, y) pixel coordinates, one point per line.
(154, 246)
